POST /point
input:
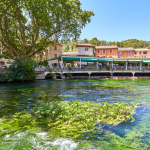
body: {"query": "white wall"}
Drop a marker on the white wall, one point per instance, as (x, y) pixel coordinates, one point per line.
(81, 51)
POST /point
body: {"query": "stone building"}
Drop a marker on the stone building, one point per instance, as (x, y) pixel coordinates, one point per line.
(53, 51)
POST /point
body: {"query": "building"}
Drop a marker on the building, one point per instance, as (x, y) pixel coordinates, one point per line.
(69, 54)
(85, 49)
(5, 62)
(53, 51)
(126, 52)
(106, 51)
(142, 53)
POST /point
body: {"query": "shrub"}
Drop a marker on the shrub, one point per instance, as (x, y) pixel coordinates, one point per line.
(108, 68)
(69, 75)
(45, 63)
(20, 71)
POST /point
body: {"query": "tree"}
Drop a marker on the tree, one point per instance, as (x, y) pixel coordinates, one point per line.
(28, 26)
(85, 41)
(93, 41)
(118, 44)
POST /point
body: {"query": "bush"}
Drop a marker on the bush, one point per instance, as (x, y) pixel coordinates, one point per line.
(45, 63)
(69, 75)
(108, 68)
(20, 71)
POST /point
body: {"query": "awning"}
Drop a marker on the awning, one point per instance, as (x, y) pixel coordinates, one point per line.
(71, 58)
(105, 60)
(120, 61)
(146, 61)
(90, 59)
(133, 61)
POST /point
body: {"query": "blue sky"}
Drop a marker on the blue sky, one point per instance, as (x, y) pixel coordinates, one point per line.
(117, 20)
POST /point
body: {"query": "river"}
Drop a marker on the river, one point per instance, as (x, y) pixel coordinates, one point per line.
(17, 97)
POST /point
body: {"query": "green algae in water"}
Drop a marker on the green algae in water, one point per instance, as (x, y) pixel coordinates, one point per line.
(137, 133)
(69, 118)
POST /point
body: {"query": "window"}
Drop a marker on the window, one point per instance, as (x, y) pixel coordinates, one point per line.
(55, 55)
(120, 53)
(104, 51)
(129, 56)
(139, 52)
(86, 48)
(129, 52)
(103, 56)
(135, 52)
(55, 47)
(119, 57)
(144, 52)
(110, 50)
(98, 51)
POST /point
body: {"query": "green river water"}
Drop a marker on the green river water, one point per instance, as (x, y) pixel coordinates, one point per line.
(17, 97)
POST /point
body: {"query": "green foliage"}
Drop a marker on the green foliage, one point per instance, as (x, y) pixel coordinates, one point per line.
(44, 62)
(69, 68)
(85, 41)
(97, 42)
(70, 118)
(131, 43)
(27, 26)
(20, 71)
(69, 75)
(108, 68)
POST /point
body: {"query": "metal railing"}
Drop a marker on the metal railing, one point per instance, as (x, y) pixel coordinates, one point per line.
(103, 68)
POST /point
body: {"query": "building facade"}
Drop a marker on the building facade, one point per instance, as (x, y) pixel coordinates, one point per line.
(53, 51)
(126, 52)
(142, 53)
(106, 51)
(85, 49)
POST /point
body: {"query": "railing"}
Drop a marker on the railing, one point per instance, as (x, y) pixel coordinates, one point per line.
(104, 68)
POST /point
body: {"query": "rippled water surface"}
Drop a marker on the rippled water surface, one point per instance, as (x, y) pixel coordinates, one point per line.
(16, 97)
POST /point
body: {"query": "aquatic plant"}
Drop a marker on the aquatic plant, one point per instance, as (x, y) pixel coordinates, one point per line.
(69, 118)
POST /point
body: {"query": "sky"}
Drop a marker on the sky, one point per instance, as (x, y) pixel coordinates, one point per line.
(117, 20)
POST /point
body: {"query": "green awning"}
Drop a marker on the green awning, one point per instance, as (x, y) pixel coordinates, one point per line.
(120, 61)
(133, 61)
(90, 59)
(71, 58)
(105, 60)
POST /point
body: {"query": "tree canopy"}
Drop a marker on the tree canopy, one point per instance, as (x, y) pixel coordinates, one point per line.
(28, 26)
(97, 42)
(85, 41)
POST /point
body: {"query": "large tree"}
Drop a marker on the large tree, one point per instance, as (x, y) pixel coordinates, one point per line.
(28, 26)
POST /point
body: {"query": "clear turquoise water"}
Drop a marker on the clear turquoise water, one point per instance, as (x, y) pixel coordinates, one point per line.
(16, 97)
